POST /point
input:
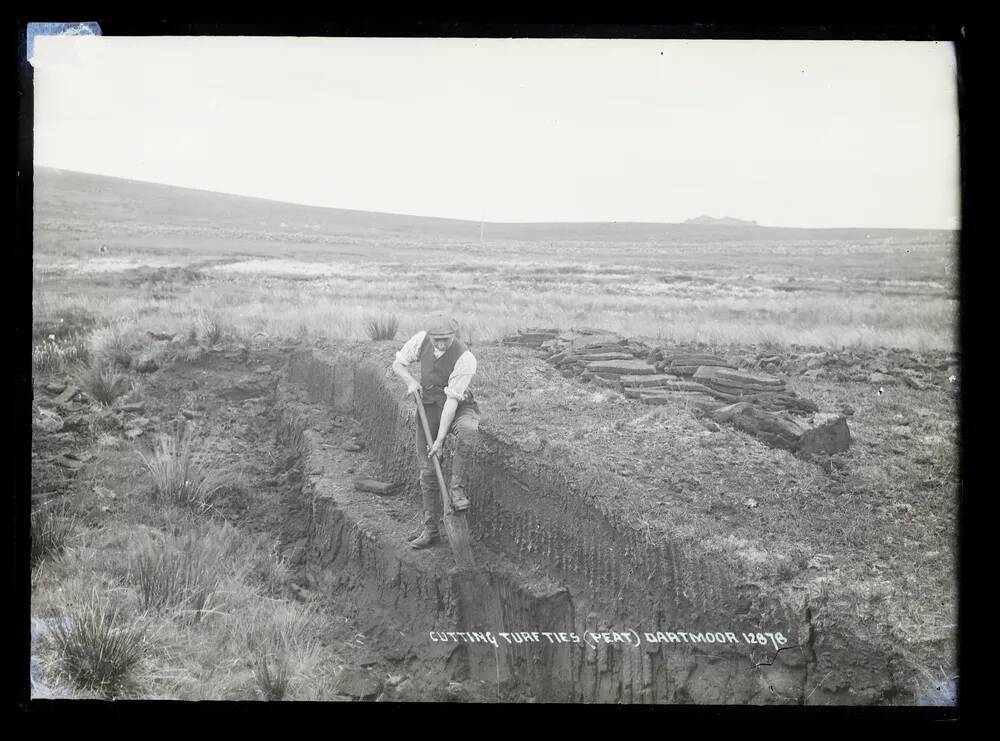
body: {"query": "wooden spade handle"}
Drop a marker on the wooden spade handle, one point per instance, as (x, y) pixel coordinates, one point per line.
(455, 523)
(435, 459)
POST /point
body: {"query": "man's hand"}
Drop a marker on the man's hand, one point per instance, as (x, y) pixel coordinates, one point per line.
(435, 449)
(412, 384)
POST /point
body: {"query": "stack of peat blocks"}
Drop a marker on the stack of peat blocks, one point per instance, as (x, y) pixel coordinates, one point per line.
(757, 403)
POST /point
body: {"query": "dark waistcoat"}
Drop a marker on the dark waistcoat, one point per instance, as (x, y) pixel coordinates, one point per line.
(435, 372)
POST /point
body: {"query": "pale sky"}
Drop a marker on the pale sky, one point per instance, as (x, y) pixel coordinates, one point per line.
(788, 133)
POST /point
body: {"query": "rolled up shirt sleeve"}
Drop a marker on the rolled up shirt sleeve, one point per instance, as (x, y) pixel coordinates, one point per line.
(410, 352)
(461, 376)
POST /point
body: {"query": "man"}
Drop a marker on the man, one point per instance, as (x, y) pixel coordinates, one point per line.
(446, 370)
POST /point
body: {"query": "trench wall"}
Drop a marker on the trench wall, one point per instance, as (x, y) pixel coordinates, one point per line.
(532, 510)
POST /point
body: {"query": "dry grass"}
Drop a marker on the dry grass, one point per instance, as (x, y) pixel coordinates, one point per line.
(291, 434)
(52, 526)
(181, 572)
(98, 649)
(102, 382)
(177, 477)
(209, 328)
(266, 570)
(279, 645)
(206, 596)
(811, 294)
(53, 354)
(382, 328)
(118, 343)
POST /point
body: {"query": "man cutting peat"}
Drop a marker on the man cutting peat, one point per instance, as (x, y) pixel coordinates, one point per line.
(446, 370)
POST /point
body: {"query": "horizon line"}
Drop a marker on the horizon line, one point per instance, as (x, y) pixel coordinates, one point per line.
(748, 223)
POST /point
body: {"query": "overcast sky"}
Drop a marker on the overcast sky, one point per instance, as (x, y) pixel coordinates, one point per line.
(800, 133)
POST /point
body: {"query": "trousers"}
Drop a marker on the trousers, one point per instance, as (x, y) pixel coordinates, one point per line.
(464, 430)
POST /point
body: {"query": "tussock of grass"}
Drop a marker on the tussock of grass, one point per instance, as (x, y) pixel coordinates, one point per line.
(209, 328)
(184, 571)
(291, 434)
(382, 328)
(102, 383)
(266, 568)
(176, 476)
(280, 647)
(116, 344)
(51, 528)
(97, 648)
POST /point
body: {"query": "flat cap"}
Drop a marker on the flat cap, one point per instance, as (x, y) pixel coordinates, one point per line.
(440, 325)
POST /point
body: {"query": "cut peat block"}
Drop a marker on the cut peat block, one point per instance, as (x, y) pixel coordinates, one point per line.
(738, 379)
(682, 370)
(707, 360)
(776, 401)
(607, 381)
(826, 434)
(655, 379)
(593, 342)
(590, 357)
(381, 488)
(667, 397)
(531, 337)
(67, 395)
(621, 367)
(768, 401)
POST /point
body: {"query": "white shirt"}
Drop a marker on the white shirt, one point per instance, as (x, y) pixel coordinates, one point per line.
(461, 374)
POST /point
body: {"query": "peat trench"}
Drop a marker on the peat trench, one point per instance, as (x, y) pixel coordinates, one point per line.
(567, 603)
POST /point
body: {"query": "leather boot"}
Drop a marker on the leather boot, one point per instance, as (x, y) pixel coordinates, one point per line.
(427, 538)
(458, 499)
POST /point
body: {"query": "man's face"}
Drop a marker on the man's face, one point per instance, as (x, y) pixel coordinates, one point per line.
(442, 342)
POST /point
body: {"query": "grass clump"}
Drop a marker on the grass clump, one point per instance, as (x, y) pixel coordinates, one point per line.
(383, 327)
(51, 529)
(102, 382)
(267, 569)
(97, 649)
(55, 354)
(279, 647)
(183, 571)
(209, 328)
(116, 344)
(177, 477)
(291, 434)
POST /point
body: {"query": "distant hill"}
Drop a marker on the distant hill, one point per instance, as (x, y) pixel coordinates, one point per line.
(724, 221)
(61, 195)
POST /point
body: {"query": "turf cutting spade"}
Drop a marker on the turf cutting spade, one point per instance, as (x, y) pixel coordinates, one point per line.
(478, 599)
(455, 524)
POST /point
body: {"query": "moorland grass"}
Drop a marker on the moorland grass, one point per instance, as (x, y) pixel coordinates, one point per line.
(382, 328)
(53, 354)
(116, 344)
(102, 382)
(177, 477)
(98, 648)
(844, 295)
(280, 645)
(52, 525)
(183, 571)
